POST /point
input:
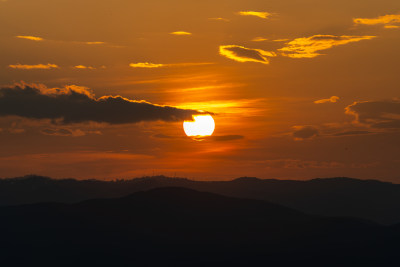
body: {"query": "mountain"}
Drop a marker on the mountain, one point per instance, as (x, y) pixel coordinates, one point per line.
(367, 199)
(180, 226)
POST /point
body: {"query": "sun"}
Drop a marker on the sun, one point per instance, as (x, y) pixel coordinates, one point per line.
(202, 125)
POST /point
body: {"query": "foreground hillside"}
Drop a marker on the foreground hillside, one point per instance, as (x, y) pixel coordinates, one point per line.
(371, 200)
(178, 226)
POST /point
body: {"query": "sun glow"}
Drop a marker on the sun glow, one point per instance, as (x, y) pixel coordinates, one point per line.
(202, 125)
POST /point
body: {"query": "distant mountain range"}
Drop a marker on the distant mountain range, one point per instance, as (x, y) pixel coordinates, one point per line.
(183, 227)
(365, 199)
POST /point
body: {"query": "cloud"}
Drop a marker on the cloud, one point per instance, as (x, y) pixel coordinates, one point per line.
(332, 99)
(263, 15)
(180, 33)
(32, 38)
(304, 132)
(31, 67)
(74, 104)
(376, 114)
(386, 20)
(94, 43)
(243, 54)
(146, 65)
(307, 47)
(259, 39)
(84, 67)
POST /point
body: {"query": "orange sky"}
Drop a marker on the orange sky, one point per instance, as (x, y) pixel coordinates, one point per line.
(299, 89)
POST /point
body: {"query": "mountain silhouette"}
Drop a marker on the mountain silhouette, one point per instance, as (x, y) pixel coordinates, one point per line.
(183, 227)
(366, 199)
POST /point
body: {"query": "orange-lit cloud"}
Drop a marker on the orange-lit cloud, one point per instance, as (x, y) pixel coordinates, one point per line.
(180, 33)
(259, 39)
(332, 99)
(307, 47)
(146, 65)
(392, 26)
(32, 38)
(94, 43)
(386, 20)
(149, 65)
(38, 66)
(263, 15)
(84, 67)
(243, 54)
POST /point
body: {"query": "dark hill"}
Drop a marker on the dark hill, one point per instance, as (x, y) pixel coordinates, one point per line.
(367, 199)
(178, 226)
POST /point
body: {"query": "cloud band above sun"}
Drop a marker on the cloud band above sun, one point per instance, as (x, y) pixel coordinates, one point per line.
(243, 54)
(74, 104)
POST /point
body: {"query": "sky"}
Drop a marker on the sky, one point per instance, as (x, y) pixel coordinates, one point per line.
(298, 89)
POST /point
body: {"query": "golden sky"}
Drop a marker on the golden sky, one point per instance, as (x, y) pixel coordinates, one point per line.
(297, 89)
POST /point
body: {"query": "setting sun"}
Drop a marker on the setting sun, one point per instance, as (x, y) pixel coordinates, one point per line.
(202, 125)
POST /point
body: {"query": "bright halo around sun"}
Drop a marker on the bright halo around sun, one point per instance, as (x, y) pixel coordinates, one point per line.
(202, 125)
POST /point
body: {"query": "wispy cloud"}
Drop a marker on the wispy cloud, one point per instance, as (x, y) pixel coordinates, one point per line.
(307, 47)
(146, 65)
(84, 67)
(386, 20)
(243, 54)
(180, 33)
(259, 39)
(30, 67)
(94, 43)
(28, 37)
(149, 65)
(332, 99)
(263, 15)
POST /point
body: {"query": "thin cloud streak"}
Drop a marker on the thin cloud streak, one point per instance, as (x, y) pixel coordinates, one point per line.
(37, 66)
(28, 37)
(148, 65)
(332, 99)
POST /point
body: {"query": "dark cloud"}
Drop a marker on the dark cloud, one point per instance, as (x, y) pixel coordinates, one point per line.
(221, 138)
(76, 104)
(377, 114)
(304, 132)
